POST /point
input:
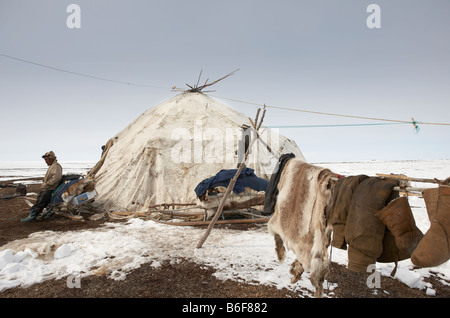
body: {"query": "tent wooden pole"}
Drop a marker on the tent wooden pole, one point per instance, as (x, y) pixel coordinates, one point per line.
(224, 198)
(232, 183)
(399, 177)
(201, 223)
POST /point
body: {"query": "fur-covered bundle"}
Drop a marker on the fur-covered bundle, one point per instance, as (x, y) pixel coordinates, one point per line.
(299, 220)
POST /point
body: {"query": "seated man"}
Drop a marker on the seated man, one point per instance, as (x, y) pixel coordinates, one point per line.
(51, 181)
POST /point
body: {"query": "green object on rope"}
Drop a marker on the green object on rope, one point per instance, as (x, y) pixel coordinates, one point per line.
(416, 127)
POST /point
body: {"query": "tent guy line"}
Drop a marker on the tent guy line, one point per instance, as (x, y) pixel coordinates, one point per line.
(174, 89)
(412, 121)
(79, 74)
(332, 125)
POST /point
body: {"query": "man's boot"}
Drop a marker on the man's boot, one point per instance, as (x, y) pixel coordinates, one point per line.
(398, 218)
(434, 248)
(32, 217)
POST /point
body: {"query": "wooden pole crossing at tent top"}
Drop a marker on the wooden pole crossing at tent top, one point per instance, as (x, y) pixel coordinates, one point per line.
(256, 125)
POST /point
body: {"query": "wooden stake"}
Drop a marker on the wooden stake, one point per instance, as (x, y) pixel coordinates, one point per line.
(231, 184)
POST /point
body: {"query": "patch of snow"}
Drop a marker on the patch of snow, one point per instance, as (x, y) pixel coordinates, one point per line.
(246, 256)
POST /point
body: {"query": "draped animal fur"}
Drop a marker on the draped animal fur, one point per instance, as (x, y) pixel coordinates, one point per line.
(299, 219)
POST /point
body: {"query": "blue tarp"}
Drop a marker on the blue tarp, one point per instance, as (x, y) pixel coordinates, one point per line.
(247, 178)
(56, 195)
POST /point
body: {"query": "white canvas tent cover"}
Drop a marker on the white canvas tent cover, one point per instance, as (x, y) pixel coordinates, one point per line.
(162, 155)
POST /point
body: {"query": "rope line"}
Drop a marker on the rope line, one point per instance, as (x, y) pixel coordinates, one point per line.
(412, 121)
(337, 125)
(331, 114)
(80, 74)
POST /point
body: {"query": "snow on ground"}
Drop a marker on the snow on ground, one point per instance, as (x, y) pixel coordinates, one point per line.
(246, 256)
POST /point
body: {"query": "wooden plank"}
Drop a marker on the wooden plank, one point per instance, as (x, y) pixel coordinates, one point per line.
(405, 178)
(408, 189)
(199, 223)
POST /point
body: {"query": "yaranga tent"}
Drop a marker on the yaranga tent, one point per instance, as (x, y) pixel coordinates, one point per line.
(167, 151)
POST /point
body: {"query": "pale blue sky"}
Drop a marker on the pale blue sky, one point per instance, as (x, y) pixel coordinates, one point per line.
(313, 55)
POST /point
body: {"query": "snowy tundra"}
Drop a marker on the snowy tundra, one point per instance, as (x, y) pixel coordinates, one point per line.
(246, 256)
